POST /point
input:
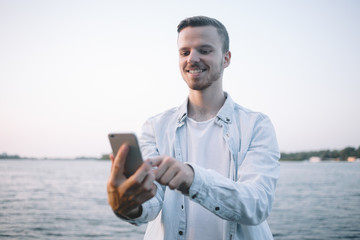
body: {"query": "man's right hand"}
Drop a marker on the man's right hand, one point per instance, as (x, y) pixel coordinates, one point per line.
(125, 195)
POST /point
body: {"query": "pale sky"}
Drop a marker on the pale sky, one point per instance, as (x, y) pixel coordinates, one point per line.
(73, 71)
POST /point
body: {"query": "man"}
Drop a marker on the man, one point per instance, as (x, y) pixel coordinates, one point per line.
(215, 163)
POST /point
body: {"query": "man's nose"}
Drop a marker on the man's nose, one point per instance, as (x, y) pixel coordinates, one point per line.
(193, 57)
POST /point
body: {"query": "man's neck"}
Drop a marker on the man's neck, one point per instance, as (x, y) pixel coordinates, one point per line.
(204, 105)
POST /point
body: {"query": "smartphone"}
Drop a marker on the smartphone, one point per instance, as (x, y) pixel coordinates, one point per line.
(134, 158)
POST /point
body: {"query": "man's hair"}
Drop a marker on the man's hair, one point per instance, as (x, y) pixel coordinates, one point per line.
(200, 21)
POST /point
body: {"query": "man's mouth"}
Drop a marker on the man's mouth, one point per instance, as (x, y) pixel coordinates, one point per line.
(194, 71)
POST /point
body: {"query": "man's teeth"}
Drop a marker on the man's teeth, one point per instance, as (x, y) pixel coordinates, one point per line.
(195, 71)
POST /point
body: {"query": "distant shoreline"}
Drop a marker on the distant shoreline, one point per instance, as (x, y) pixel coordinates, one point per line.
(99, 159)
(348, 154)
(52, 158)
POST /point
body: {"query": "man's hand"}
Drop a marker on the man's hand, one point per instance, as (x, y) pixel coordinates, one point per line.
(125, 195)
(173, 173)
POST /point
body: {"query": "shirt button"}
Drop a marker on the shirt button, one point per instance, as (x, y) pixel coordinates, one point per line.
(181, 233)
(217, 209)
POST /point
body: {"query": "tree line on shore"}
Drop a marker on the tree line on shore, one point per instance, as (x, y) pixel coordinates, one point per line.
(5, 156)
(341, 155)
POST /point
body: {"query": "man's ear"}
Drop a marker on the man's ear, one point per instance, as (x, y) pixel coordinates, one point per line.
(227, 58)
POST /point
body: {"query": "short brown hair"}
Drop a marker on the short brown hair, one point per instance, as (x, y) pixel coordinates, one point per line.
(199, 21)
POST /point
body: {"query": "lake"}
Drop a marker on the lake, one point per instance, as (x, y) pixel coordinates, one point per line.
(66, 199)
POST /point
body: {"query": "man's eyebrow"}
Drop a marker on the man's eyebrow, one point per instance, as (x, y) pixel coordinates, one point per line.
(205, 46)
(184, 48)
(201, 46)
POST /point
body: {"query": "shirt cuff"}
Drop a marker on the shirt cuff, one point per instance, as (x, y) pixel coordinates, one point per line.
(196, 191)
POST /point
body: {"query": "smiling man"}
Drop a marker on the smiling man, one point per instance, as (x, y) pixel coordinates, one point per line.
(202, 62)
(212, 165)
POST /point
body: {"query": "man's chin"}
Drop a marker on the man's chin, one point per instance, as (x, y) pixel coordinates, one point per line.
(198, 84)
(199, 87)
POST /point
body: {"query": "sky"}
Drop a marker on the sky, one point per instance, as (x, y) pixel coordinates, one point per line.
(73, 71)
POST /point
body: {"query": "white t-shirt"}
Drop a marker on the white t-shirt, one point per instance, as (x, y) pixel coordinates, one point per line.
(206, 148)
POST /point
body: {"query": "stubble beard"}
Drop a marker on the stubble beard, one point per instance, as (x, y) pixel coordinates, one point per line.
(197, 85)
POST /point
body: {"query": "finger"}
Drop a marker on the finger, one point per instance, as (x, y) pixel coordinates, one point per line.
(127, 207)
(162, 166)
(144, 196)
(111, 156)
(168, 176)
(121, 154)
(119, 161)
(148, 182)
(135, 181)
(137, 198)
(147, 185)
(156, 161)
(177, 182)
(183, 179)
(134, 200)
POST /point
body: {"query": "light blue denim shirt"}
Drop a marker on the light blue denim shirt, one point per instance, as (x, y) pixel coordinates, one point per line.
(244, 199)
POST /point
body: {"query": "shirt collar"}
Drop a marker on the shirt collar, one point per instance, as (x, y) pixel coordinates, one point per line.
(224, 113)
(182, 110)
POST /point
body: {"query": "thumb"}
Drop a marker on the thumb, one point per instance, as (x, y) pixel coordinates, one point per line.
(119, 161)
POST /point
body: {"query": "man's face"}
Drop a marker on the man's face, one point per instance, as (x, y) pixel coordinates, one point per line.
(201, 59)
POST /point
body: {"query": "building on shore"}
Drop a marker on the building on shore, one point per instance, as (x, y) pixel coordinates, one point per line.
(314, 159)
(351, 159)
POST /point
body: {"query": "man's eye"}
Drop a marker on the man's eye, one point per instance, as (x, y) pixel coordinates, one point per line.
(202, 51)
(186, 53)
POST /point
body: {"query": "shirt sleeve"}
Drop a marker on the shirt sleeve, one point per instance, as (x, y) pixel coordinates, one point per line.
(248, 200)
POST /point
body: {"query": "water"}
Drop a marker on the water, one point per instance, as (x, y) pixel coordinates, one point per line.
(63, 199)
(317, 201)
